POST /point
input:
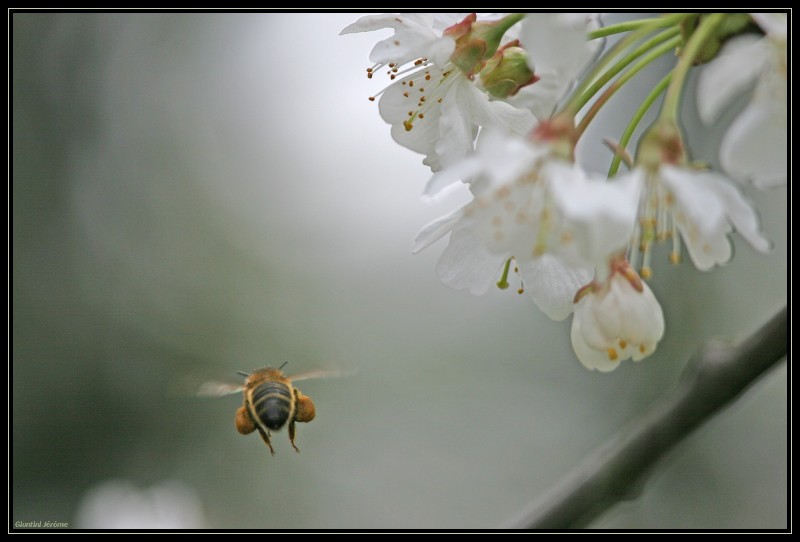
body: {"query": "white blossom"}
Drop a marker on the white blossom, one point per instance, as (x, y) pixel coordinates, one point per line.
(119, 504)
(615, 320)
(754, 147)
(528, 203)
(436, 109)
(701, 208)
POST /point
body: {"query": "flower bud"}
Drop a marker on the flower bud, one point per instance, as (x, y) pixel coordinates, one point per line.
(507, 71)
(477, 41)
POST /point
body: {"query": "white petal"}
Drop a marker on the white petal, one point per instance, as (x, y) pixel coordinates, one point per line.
(466, 265)
(754, 147)
(774, 24)
(456, 129)
(697, 199)
(506, 157)
(741, 214)
(705, 252)
(707, 207)
(440, 50)
(591, 358)
(435, 230)
(552, 284)
(444, 180)
(618, 320)
(542, 97)
(557, 53)
(555, 41)
(414, 37)
(368, 23)
(737, 65)
(599, 216)
(394, 107)
(498, 114)
(644, 322)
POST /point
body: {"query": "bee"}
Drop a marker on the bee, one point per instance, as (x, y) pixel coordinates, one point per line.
(270, 401)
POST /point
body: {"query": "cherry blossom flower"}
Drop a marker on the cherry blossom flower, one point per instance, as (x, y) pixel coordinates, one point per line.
(615, 320)
(530, 203)
(754, 147)
(699, 207)
(434, 106)
(119, 504)
(681, 203)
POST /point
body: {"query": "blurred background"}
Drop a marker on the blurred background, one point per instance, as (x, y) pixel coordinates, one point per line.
(196, 194)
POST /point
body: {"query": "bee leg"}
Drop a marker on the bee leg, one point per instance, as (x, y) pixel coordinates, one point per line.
(265, 438)
(291, 436)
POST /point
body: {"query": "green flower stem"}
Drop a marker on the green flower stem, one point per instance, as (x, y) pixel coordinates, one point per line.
(624, 78)
(510, 20)
(627, 26)
(623, 63)
(635, 120)
(673, 98)
(616, 50)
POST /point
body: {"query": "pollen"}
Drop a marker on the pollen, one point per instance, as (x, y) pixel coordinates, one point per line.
(623, 344)
(674, 258)
(612, 354)
(646, 272)
(502, 192)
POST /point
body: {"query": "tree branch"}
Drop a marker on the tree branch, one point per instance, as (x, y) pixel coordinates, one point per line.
(617, 470)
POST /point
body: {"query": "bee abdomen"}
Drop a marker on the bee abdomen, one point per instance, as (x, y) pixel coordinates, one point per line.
(272, 402)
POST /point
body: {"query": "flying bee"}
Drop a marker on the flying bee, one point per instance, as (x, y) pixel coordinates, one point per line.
(270, 401)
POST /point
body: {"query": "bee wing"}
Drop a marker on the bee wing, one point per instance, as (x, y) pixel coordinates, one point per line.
(321, 373)
(214, 388)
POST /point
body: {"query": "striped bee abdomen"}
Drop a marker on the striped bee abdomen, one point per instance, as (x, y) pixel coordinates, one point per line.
(272, 404)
